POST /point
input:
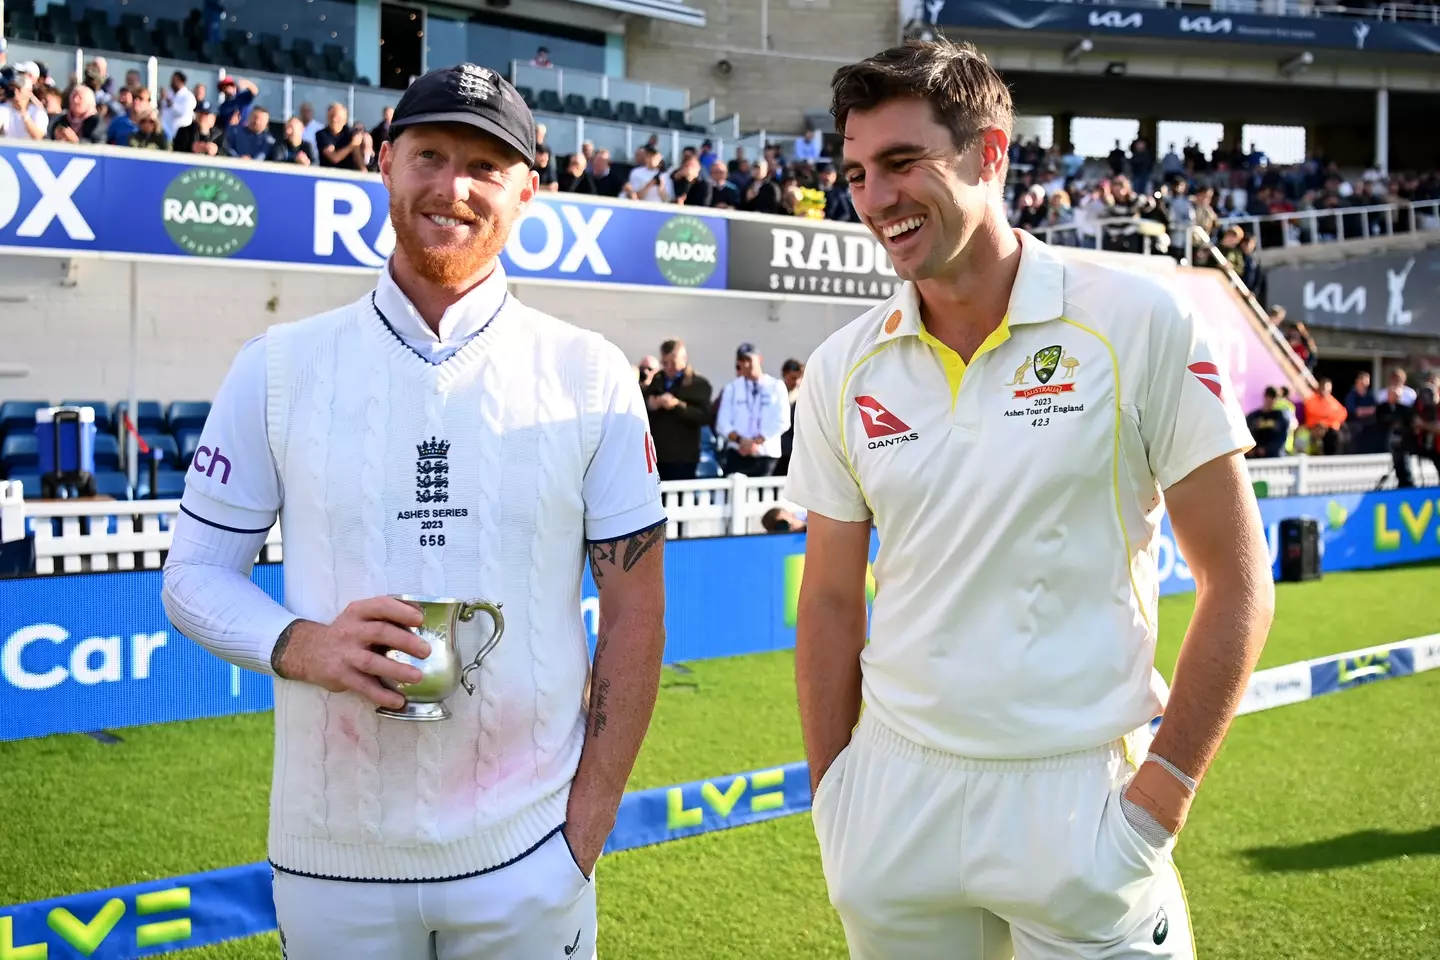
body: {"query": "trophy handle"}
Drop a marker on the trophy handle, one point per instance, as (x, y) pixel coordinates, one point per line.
(467, 613)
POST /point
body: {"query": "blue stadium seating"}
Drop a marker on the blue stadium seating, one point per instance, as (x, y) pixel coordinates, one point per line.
(107, 452)
(103, 423)
(20, 451)
(709, 467)
(165, 444)
(189, 440)
(186, 415)
(18, 416)
(151, 419)
(169, 485)
(112, 483)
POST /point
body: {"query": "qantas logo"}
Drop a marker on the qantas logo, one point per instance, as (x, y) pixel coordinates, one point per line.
(881, 426)
(1209, 374)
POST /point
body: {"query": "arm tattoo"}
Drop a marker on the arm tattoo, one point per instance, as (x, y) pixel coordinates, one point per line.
(597, 710)
(280, 645)
(609, 552)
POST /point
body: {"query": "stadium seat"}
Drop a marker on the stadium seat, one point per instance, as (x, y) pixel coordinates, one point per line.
(189, 442)
(19, 415)
(600, 109)
(169, 485)
(549, 100)
(650, 115)
(527, 95)
(149, 419)
(103, 423)
(107, 452)
(20, 451)
(163, 442)
(675, 120)
(112, 483)
(574, 103)
(625, 112)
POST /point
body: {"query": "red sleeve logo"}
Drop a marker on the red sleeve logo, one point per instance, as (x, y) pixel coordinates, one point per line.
(1209, 374)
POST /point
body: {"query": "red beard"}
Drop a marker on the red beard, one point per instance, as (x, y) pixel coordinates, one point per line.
(447, 266)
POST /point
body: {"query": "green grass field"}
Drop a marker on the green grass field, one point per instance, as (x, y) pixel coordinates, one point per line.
(1317, 834)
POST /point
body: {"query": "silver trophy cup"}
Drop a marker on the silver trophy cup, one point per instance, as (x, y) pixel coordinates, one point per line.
(425, 698)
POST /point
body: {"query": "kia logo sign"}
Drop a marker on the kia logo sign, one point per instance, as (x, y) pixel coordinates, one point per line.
(1332, 298)
(1205, 25)
(1115, 20)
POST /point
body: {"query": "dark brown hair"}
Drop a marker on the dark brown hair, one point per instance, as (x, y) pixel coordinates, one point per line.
(957, 81)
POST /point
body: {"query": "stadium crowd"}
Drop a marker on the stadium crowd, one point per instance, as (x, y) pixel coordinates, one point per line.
(1139, 197)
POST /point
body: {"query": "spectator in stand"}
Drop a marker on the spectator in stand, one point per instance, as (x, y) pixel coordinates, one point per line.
(148, 135)
(1325, 420)
(177, 106)
(587, 151)
(714, 190)
(1058, 217)
(1252, 275)
(311, 125)
(294, 149)
(678, 399)
(381, 133)
(1269, 427)
(741, 175)
(97, 78)
(81, 123)
(647, 368)
(839, 205)
(1117, 160)
(792, 372)
(204, 136)
(754, 413)
(1230, 248)
(1364, 432)
(762, 195)
(1142, 165)
(251, 140)
(338, 144)
(545, 168)
(237, 97)
(1427, 422)
(686, 175)
(542, 58)
(540, 141)
(707, 155)
(22, 115)
(648, 180)
(1171, 166)
(1303, 344)
(808, 147)
(608, 182)
(575, 178)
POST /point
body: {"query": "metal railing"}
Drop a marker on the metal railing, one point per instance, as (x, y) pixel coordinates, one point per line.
(591, 85)
(1422, 12)
(1259, 320)
(1308, 227)
(82, 536)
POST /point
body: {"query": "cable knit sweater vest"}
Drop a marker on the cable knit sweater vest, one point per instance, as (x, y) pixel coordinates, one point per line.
(375, 445)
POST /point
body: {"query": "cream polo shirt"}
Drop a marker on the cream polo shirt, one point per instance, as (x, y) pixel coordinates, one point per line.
(1017, 501)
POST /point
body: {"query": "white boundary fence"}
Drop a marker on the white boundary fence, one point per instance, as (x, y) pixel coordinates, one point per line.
(103, 535)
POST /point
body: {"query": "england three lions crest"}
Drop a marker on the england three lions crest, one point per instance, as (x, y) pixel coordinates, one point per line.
(432, 471)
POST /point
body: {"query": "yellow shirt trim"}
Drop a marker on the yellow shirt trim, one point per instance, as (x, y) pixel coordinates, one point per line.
(950, 361)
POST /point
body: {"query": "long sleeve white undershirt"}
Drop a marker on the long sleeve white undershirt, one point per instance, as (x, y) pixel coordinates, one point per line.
(211, 599)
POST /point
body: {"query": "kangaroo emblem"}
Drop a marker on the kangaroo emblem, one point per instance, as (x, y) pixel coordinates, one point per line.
(1020, 373)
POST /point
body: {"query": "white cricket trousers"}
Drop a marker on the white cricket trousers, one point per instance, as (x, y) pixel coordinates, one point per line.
(931, 855)
(539, 906)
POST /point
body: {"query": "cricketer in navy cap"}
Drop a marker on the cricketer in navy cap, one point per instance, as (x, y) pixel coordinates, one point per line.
(458, 166)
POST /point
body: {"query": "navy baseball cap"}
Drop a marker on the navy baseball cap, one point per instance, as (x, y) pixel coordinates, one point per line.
(471, 94)
(745, 350)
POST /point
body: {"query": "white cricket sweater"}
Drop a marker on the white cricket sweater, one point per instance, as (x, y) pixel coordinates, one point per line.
(515, 417)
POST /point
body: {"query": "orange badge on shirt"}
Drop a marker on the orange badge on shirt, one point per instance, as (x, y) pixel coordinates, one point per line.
(892, 322)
